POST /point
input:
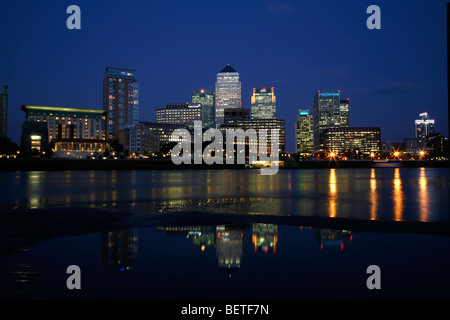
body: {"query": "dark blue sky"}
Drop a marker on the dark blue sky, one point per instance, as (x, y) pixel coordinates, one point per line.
(390, 75)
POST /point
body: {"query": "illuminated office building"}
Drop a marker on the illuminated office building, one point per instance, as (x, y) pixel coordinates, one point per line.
(258, 125)
(120, 100)
(263, 102)
(180, 113)
(73, 132)
(424, 126)
(344, 113)
(3, 110)
(164, 130)
(228, 92)
(304, 133)
(363, 140)
(206, 98)
(69, 123)
(139, 139)
(329, 112)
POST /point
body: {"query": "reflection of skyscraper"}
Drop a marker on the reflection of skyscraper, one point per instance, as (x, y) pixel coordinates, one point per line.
(423, 127)
(120, 99)
(332, 238)
(206, 98)
(265, 237)
(119, 251)
(205, 239)
(229, 248)
(263, 103)
(228, 92)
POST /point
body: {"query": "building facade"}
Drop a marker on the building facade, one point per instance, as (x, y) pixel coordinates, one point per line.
(120, 99)
(205, 97)
(69, 123)
(304, 133)
(163, 130)
(34, 139)
(362, 141)
(423, 126)
(228, 92)
(260, 126)
(73, 132)
(263, 102)
(328, 114)
(139, 139)
(3, 110)
(180, 113)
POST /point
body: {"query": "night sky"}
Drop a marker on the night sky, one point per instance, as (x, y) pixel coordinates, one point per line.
(390, 75)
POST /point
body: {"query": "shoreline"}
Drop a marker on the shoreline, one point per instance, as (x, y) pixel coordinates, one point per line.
(36, 164)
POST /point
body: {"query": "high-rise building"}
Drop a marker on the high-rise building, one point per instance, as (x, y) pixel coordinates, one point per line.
(240, 121)
(228, 92)
(343, 110)
(206, 98)
(304, 133)
(423, 126)
(180, 113)
(263, 102)
(120, 99)
(3, 110)
(328, 114)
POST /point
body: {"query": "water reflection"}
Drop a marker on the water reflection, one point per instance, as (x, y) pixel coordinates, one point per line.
(423, 196)
(119, 251)
(373, 195)
(120, 248)
(398, 196)
(333, 193)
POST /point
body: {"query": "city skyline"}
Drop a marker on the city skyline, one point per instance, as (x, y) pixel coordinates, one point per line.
(387, 88)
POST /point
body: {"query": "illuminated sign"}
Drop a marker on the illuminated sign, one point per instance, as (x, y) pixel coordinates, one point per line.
(262, 90)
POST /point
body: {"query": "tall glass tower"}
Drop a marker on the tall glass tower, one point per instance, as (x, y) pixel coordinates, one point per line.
(263, 103)
(120, 99)
(304, 134)
(228, 92)
(329, 112)
(423, 127)
(206, 98)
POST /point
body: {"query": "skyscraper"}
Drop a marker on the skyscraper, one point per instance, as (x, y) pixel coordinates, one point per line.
(120, 99)
(263, 103)
(206, 98)
(423, 127)
(228, 92)
(328, 113)
(3, 110)
(304, 134)
(343, 110)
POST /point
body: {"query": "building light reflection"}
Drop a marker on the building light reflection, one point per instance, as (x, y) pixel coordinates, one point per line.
(333, 193)
(373, 195)
(423, 196)
(398, 195)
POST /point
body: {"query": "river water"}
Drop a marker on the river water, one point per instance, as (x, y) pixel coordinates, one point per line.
(251, 244)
